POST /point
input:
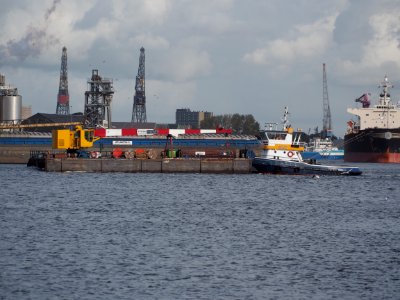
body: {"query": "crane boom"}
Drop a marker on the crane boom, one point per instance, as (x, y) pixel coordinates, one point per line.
(327, 119)
(139, 99)
(20, 126)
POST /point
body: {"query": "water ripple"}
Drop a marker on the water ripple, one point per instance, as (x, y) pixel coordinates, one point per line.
(197, 236)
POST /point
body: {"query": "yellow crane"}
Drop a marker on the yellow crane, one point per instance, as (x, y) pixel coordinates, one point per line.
(77, 139)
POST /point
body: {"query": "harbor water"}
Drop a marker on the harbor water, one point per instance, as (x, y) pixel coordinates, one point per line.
(199, 236)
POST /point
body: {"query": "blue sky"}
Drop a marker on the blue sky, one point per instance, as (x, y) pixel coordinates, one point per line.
(224, 56)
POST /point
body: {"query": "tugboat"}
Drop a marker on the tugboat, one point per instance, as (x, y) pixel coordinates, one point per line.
(375, 134)
(281, 154)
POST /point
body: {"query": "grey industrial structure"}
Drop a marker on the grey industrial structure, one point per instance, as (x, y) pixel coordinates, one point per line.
(186, 118)
(98, 99)
(10, 102)
(97, 106)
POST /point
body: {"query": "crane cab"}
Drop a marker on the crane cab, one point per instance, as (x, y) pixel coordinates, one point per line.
(78, 138)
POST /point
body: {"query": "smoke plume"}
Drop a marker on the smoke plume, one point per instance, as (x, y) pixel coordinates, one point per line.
(32, 43)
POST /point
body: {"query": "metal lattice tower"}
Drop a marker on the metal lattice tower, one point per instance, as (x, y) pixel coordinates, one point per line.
(327, 120)
(63, 96)
(98, 101)
(139, 100)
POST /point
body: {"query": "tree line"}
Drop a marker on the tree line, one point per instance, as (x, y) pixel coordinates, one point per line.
(240, 124)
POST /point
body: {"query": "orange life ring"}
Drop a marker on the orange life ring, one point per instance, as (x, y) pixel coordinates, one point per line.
(290, 154)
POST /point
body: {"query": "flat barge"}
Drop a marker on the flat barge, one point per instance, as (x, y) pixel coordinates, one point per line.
(164, 165)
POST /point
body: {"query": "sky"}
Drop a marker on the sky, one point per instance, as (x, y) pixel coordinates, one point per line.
(222, 56)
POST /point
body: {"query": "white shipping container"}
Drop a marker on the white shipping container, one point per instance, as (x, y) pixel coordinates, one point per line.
(208, 130)
(176, 132)
(113, 132)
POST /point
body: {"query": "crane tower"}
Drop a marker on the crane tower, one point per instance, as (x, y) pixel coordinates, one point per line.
(139, 100)
(98, 101)
(327, 120)
(63, 96)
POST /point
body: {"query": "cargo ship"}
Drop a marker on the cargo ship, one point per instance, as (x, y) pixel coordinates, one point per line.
(375, 134)
(321, 149)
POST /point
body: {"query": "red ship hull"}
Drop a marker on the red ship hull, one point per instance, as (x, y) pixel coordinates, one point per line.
(372, 157)
(373, 145)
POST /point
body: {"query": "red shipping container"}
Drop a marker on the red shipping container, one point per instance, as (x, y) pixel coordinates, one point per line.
(129, 131)
(162, 131)
(192, 131)
(100, 132)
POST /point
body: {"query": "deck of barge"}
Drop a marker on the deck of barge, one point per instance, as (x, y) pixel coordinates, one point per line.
(103, 165)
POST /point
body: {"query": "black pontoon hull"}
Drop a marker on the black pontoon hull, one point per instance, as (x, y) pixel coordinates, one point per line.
(264, 165)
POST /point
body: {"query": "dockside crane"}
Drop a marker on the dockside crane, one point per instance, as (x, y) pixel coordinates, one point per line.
(327, 119)
(139, 99)
(63, 96)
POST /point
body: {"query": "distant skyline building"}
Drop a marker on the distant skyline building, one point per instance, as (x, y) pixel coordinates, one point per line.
(185, 118)
(26, 112)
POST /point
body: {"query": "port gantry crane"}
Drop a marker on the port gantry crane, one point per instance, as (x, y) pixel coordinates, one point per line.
(139, 100)
(327, 119)
(63, 96)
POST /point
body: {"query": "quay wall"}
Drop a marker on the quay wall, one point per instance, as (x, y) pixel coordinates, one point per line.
(230, 166)
(19, 154)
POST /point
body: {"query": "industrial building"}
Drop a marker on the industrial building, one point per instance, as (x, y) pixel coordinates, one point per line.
(186, 118)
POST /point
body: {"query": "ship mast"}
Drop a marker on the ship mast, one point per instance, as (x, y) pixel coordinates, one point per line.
(384, 97)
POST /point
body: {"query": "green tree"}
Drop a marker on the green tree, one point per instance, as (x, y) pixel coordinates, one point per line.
(240, 124)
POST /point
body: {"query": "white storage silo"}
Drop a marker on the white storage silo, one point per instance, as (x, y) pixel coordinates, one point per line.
(10, 103)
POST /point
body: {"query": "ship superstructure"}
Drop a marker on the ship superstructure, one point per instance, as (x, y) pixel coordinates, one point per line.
(374, 135)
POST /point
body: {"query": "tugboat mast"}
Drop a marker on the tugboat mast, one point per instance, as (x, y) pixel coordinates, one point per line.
(285, 121)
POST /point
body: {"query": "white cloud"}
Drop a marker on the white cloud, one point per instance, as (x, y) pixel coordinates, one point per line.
(185, 64)
(380, 53)
(304, 42)
(150, 40)
(384, 46)
(223, 56)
